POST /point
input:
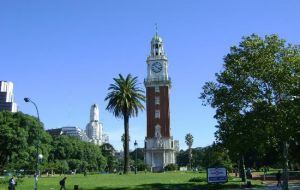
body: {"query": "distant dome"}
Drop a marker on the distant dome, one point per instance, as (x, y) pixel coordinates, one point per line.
(156, 38)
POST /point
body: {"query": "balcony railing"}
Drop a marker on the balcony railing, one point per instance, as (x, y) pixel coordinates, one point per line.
(157, 81)
(160, 143)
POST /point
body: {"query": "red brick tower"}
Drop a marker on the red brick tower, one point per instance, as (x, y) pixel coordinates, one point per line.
(159, 144)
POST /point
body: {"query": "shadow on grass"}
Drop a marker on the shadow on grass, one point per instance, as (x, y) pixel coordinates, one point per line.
(180, 186)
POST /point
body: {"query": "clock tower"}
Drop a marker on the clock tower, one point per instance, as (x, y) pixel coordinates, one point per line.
(159, 144)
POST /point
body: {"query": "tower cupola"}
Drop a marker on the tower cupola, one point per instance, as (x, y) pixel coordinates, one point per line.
(157, 48)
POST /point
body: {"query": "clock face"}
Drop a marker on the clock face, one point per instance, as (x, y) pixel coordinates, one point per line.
(156, 67)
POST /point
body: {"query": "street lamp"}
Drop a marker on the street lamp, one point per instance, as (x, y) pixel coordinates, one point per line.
(135, 145)
(38, 156)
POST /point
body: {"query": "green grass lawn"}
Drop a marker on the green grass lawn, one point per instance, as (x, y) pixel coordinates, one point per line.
(140, 181)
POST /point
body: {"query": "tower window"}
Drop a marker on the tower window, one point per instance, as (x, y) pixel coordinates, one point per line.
(156, 45)
(156, 88)
(157, 131)
(157, 114)
(157, 100)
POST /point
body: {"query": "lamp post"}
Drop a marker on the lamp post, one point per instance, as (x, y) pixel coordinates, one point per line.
(38, 156)
(135, 145)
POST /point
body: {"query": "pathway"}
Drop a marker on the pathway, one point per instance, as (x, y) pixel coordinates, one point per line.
(274, 187)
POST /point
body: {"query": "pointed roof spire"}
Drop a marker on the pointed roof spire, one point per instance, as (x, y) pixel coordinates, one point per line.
(156, 37)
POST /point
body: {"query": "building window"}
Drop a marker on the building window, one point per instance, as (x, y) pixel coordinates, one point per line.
(157, 114)
(157, 131)
(156, 100)
(156, 88)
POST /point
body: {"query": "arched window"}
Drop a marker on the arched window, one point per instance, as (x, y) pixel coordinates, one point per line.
(157, 131)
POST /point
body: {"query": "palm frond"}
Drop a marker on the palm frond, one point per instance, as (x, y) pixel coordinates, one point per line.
(125, 97)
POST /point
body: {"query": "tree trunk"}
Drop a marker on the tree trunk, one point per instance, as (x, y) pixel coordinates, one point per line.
(126, 147)
(244, 178)
(285, 184)
(190, 158)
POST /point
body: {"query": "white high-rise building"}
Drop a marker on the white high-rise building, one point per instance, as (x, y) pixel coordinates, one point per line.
(7, 97)
(94, 128)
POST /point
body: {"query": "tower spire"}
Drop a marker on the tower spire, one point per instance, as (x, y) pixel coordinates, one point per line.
(157, 44)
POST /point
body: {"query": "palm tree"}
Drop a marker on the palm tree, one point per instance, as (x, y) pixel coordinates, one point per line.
(123, 140)
(124, 101)
(189, 139)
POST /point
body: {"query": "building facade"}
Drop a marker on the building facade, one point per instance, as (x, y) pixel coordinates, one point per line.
(7, 97)
(94, 128)
(74, 131)
(159, 143)
(55, 132)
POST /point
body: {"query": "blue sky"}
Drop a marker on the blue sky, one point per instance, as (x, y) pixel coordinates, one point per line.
(64, 54)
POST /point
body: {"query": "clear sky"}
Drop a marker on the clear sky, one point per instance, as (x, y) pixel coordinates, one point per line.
(63, 54)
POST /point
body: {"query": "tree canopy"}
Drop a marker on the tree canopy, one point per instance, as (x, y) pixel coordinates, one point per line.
(18, 139)
(256, 97)
(19, 135)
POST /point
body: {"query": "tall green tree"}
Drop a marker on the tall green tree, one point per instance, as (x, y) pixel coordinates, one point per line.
(256, 96)
(198, 155)
(109, 152)
(139, 152)
(125, 99)
(189, 139)
(18, 140)
(77, 154)
(182, 158)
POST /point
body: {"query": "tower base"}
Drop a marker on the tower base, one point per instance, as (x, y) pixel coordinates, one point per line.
(159, 152)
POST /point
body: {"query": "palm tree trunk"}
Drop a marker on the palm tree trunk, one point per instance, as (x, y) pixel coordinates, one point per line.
(126, 147)
(190, 158)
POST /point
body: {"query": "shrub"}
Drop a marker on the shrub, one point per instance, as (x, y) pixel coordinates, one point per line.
(143, 167)
(197, 179)
(171, 167)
